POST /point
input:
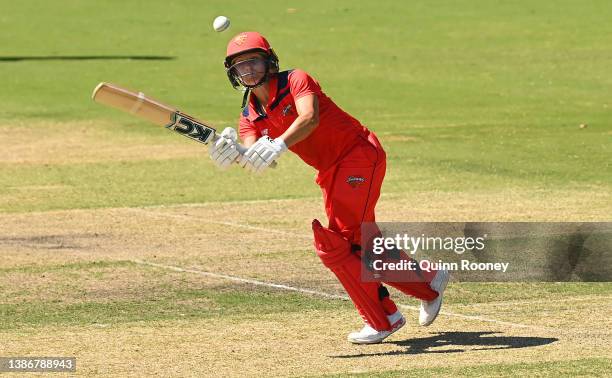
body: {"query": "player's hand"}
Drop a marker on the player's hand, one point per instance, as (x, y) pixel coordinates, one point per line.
(262, 154)
(225, 150)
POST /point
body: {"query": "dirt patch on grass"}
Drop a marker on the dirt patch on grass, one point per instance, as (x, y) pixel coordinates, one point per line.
(65, 241)
(84, 142)
(94, 282)
(257, 239)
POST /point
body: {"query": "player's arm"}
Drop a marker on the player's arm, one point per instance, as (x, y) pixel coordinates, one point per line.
(307, 120)
(264, 151)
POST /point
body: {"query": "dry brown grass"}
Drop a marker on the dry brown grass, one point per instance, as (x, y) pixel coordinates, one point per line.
(255, 239)
(84, 142)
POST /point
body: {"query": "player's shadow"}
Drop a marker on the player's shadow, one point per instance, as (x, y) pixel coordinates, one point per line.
(84, 57)
(452, 342)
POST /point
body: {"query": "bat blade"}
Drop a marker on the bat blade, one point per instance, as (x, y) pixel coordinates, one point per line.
(138, 104)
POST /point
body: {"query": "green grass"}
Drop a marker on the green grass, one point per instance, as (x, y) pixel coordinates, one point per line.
(175, 304)
(590, 367)
(142, 182)
(491, 93)
(70, 302)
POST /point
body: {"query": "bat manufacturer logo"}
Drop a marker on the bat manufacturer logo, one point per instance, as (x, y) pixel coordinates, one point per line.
(355, 181)
(192, 129)
(240, 39)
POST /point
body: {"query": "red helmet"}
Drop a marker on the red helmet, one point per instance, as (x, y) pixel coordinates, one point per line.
(248, 42)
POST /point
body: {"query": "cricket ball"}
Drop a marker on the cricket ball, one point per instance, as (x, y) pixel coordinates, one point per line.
(221, 23)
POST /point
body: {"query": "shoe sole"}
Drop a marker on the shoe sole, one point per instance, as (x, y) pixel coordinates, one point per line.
(440, 291)
(393, 330)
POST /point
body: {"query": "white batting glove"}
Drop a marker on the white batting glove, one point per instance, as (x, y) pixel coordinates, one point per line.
(225, 150)
(261, 154)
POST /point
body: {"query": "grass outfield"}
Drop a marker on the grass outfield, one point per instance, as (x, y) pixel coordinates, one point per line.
(467, 96)
(477, 103)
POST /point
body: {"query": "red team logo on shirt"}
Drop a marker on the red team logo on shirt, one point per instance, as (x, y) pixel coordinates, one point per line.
(287, 110)
(355, 181)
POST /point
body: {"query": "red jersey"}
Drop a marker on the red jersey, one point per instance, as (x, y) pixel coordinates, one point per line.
(336, 133)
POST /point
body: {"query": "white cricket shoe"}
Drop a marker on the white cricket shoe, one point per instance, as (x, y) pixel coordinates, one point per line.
(430, 309)
(369, 335)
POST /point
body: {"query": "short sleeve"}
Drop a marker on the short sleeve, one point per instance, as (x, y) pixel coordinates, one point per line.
(302, 84)
(246, 128)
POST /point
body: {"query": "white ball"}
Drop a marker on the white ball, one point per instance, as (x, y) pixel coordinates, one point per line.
(221, 23)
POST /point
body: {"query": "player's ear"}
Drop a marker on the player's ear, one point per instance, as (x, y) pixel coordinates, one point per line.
(273, 61)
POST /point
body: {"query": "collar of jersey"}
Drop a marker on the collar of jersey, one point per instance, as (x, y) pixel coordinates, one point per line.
(256, 109)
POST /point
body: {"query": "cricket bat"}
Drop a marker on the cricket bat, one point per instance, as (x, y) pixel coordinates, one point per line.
(160, 114)
(152, 110)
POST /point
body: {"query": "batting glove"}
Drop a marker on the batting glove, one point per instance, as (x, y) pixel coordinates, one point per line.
(225, 150)
(262, 154)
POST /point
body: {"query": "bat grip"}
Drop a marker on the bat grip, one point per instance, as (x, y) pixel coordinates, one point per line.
(241, 149)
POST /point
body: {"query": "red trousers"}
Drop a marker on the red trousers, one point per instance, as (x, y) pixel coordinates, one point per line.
(351, 189)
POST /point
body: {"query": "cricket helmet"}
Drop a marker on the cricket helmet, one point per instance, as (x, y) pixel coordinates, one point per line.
(244, 43)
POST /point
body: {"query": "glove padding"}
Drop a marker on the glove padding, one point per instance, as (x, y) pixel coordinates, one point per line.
(262, 154)
(225, 150)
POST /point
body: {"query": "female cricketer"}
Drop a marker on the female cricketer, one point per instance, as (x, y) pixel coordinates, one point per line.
(287, 110)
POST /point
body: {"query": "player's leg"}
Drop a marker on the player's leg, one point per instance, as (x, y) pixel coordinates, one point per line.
(346, 190)
(428, 286)
(336, 254)
(370, 298)
(351, 199)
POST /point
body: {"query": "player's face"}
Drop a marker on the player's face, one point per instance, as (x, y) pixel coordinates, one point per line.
(250, 68)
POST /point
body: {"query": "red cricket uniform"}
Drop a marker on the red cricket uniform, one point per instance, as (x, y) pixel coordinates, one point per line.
(348, 157)
(349, 160)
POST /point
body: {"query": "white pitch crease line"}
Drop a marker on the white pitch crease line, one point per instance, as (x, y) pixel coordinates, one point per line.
(323, 294)
(242, 202)
(473, 317)
(229, 202)
(483, 319)
(538, 301)
(223, 223)
(291, 288)
(243, 280)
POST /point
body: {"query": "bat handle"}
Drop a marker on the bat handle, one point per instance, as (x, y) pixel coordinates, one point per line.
(240, 147)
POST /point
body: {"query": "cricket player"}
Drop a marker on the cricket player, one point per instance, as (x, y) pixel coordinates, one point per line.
(287, 111)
